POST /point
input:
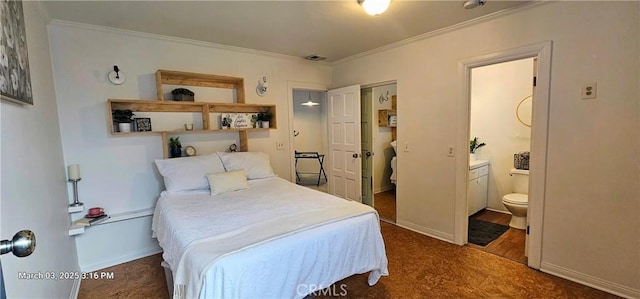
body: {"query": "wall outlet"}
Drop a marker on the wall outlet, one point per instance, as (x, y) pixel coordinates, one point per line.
(279, 145)
(589, 91)
(451, 151)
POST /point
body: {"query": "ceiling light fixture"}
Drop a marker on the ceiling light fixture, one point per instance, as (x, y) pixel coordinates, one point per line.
(473, 3)
(374, 7)
(310, 102)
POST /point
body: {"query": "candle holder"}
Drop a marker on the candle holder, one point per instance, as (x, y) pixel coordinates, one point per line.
(76, 202)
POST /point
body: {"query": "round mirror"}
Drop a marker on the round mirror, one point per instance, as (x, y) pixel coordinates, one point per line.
(523, 111)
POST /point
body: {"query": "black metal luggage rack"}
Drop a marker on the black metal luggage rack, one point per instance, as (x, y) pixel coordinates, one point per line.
(311, 155)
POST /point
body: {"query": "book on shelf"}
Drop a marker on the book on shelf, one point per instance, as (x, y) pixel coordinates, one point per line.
(91, 221)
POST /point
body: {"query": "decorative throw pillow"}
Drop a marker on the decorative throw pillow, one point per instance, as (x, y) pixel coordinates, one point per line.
(189, 173)
(227, 181)
(255, 164)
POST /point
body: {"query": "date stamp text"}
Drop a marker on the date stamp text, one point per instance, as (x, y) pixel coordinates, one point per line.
(65, 275)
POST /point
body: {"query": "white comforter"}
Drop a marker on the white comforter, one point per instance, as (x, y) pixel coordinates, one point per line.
(273, 240)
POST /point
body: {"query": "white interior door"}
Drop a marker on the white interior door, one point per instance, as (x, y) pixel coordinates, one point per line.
(344, 143)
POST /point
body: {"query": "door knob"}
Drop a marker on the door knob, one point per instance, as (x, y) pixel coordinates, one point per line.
(355, 155)
(369, 154)
(23, 244)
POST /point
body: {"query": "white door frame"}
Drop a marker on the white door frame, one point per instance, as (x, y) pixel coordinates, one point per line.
(539, 135)
(291, 85)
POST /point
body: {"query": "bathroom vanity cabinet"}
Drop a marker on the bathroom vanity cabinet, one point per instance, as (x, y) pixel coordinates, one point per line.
(477, 185)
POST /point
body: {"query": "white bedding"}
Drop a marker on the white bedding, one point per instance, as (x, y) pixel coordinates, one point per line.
(273, 240)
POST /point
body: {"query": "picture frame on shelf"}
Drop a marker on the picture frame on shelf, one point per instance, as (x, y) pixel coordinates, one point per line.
(143, 124)
(239, 120)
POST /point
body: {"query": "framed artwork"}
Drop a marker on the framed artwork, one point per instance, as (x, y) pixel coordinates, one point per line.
(143, 124)
(392, 121)
(239, 120)
(15, 78)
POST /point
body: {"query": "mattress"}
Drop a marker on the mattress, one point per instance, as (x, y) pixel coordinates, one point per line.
(272, 240)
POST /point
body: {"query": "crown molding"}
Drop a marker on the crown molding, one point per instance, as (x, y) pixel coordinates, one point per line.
(444, 30)
(138, 34)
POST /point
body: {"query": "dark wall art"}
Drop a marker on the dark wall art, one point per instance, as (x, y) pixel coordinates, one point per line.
(15, 78)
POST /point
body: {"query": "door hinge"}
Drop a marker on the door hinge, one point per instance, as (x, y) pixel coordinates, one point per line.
(535, 81)
(527, 229)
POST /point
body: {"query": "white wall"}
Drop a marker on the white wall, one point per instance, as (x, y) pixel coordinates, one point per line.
(382, 141)
(118, 172)
(311, 124)
(496, 91)
(592, 199)
(34, 182)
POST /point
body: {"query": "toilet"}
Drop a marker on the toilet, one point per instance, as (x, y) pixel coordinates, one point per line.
(517, 202)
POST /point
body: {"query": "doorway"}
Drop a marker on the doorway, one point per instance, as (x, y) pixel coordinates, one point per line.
(539, 135)
(310, 143)
(379, 130)
(315, 122)
(500, 124)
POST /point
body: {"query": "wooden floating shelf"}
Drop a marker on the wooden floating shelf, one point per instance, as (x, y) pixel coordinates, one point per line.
(183, 132)
(196, 79)
(204, 108)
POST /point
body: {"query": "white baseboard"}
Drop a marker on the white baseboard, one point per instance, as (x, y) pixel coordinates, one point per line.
(594, 282)
(383, 189)
(121, 259)
(426, 231)
(75, 289)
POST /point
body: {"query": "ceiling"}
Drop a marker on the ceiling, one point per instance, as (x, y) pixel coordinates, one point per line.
(332, 29)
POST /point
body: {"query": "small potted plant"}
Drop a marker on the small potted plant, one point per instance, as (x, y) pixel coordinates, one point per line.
(175, 147)
(182, 94)
(123, 118)
(264, 118)
(473, 146)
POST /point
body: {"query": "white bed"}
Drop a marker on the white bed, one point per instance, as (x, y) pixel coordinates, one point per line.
(274, 239)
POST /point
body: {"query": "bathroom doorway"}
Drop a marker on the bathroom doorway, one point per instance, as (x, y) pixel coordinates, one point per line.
(500, 126)
(539, 136)
(379, 130)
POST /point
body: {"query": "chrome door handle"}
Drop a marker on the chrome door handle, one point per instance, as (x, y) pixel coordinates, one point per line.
(23, 244)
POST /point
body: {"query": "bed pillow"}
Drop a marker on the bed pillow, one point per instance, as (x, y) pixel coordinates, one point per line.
(188, 173)
(255, 164)
(227, 181)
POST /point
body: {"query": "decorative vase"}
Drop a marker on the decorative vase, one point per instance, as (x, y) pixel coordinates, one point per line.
(264, 124)
(124, 127)
(175, 152)
(472, 157)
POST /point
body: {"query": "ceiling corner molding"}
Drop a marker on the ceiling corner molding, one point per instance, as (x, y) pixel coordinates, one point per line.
(62, 23)
(41, 9)
(451, 28)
